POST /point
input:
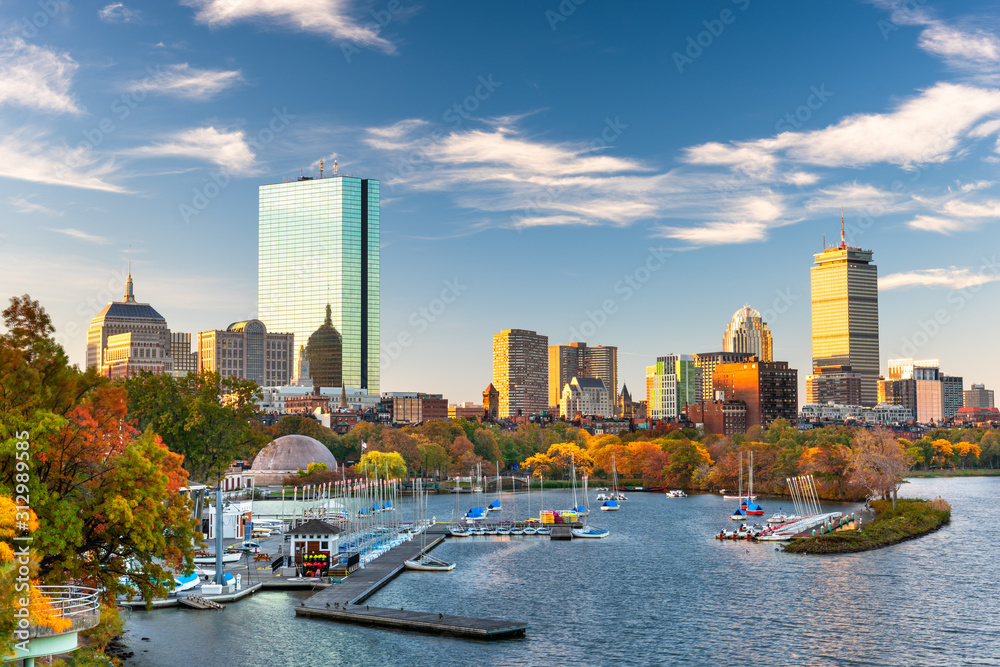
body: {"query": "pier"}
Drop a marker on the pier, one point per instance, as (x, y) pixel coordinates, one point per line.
(344, 602)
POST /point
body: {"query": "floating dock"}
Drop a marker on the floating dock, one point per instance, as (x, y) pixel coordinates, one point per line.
(344, 602)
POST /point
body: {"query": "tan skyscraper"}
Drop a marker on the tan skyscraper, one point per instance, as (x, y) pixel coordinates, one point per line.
(577, 360)
(845, 315)
(521, 372)
(748, 333)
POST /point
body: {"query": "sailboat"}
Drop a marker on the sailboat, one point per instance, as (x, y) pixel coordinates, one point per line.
(457, 529)
(587, 530)
(741, 496)
(514, 529)
(740, 514)
(752, 508)
(495, 505)
(424, 561)
(529, 528)
(611, 505)
(580, 510)
(542, 530)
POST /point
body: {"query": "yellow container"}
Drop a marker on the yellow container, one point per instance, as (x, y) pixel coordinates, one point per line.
(569, 517)
(548, 517)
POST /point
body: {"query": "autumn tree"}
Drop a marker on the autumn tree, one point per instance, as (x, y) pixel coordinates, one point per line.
(943, 451)
(379, 465)
(486, 445)
(879, 463)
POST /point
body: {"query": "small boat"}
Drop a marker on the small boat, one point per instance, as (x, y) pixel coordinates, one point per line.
(610, 506)
(602, 496)
(428, 563)
(744, 497)
(738, 515)
(543, 530)
(494, 506)
(491, 529)
(459, 531)
(186, 581)
(591, 532)
(504, 529)
(227, 558)
(676, 493)
(531, 530)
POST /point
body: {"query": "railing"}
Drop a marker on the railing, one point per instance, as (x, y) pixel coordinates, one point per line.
(70, 601)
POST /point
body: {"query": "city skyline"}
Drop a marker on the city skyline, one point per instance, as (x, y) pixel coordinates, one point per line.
(157, 125)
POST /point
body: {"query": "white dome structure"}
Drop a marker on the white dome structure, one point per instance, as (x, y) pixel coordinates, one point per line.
(287, 455)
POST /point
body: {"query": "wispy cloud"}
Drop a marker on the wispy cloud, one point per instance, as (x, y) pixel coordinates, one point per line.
(927, 128)
(117, 12)
(30, 154)
(83, 236)
(183, 80)
(951, 278)
(26, 206)
(717, 233)
(226, 148)
(331, 18)
(35, 77)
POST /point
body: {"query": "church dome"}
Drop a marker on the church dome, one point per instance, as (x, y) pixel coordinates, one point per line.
(293, 452)
(324, 352)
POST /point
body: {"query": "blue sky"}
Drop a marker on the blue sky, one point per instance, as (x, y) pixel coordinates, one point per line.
(537, 158)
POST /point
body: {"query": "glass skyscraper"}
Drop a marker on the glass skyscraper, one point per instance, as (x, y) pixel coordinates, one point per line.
(845, 315)
(318, 274)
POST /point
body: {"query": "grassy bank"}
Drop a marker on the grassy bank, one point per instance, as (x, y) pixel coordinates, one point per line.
(954, 473)
(911, 518)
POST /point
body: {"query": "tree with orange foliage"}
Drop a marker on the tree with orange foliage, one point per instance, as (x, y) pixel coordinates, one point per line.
(18, 591)
(943, 451)
(879, 463)
(558, 460)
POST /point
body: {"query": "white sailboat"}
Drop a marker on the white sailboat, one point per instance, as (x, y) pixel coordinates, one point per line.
(529, 528)
(611, 504)
(424, 561)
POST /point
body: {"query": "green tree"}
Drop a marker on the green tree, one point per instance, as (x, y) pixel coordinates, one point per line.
(486, 446)
(377, 464)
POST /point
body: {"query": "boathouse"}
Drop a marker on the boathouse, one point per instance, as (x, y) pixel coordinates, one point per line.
(313, 546)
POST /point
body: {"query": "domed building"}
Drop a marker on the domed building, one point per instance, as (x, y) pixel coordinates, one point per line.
(287, 455)
(748, 333)
(324, 352)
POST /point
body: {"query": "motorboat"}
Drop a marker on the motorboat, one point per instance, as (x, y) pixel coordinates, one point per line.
(186, 581)
(610, 506)
(227, 558)
(676, 493)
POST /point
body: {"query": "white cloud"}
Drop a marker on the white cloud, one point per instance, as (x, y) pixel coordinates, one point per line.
(325, 17)
(117, 12)
(26, 206)
(35, 77)
(186, 81)
(952, 278)
(927, 128)
(83, 236)
(961, 48)
(29, 154)
(226, 148)
(717, 233)
(934, 223)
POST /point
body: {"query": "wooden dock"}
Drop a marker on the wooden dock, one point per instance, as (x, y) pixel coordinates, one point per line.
(198, 602)
(344, 602)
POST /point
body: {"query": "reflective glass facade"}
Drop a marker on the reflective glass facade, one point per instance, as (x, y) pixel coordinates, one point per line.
(318, 246)
(845, 315)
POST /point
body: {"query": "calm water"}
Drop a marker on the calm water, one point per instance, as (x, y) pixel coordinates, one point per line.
(659, 590)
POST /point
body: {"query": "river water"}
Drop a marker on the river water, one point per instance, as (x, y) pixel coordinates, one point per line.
(659, 590)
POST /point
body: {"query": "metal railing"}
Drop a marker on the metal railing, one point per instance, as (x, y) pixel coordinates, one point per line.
(70, 601)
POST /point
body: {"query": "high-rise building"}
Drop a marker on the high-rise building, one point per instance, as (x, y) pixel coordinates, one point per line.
(521, 372)
(917, 386)
(247, 351)
(124, 317)
(131, 353)
(707, 361)
(833, 385)
(185, 359)
(845, 314)
(951, 394)
(748, 333)
(977, 396)
(673, 382)
(769, 389)
(318, 274)
(578, 360)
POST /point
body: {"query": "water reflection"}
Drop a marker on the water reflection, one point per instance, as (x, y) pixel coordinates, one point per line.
(659, 590)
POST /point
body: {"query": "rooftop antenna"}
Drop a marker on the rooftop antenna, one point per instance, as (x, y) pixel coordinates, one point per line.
(824, 240)
(321, 167)
(843, 243)
(334, 167)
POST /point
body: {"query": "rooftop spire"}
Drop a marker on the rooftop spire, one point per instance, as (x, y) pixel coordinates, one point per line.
(129, 294)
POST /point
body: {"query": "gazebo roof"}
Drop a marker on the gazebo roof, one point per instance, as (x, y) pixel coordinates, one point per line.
(315, 527)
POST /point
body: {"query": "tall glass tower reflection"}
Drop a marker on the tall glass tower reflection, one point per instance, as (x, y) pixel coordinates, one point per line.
(318, 273)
